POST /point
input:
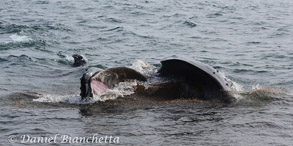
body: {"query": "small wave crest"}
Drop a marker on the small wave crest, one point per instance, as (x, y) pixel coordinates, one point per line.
(20, 38)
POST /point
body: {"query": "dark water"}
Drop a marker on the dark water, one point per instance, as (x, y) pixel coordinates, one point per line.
(250, 41)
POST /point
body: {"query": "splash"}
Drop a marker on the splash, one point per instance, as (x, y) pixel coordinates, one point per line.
(49, 98)
(260, 91)
(120, 90)
(19, 38)
(149, 71)
(69, 59)
(236, 88)
(143, 67)
(256, 94)
(234, 85)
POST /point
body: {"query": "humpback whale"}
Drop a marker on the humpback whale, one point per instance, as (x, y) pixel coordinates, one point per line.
(182, 79)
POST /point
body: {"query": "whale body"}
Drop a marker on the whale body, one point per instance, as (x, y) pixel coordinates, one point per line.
(206, 81)
(185, 79)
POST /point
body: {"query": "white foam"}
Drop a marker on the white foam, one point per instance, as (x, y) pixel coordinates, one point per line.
(19, 38)
(143, 67)
(70, 59)
(234, 86)
(49, 98)
(257, 87)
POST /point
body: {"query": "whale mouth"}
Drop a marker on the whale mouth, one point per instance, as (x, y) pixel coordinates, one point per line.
(98, 87)
(97, 82)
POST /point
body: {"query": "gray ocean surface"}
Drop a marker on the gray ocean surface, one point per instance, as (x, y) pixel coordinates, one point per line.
(251, 42)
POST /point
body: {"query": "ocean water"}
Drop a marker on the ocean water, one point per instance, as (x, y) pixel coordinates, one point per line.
(251, 42)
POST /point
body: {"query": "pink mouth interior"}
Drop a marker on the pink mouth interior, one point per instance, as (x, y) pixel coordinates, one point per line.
(98, 87)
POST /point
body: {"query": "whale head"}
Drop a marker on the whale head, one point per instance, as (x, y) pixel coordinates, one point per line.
(96, 81)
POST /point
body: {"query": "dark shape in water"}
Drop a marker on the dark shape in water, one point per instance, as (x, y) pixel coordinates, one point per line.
(186, 79)
(202, 80)
(78, 60)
